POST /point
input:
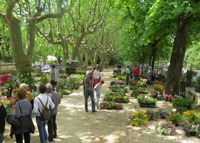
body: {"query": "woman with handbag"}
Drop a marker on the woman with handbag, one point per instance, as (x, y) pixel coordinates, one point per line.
(22, 111)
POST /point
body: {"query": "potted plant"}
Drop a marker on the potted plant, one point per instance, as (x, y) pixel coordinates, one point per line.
(104, 105)
(190, 129)
(137, 119)
(119, 106)
(112, 82)
(107, 98)
(165, 128)
(165, 97)
(169, 98)
(176, 118)
(66, 92)
(76, 87)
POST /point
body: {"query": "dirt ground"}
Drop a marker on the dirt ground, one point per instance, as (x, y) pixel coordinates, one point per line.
(105, 126)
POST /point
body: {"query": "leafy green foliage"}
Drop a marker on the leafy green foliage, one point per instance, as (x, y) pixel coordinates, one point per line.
(27, 76)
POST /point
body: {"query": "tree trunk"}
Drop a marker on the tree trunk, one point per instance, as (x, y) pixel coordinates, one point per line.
(153, 55)
(102, 61)
(94, 62)
(76, 48)
(172, 84)
(30, 39)
(65, 50)
(82, 64)
(107, 62)
(21, 60)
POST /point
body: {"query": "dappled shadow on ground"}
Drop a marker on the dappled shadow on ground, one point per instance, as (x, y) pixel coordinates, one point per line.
(105, 126)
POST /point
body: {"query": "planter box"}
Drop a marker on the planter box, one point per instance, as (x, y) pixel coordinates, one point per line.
(147, 106)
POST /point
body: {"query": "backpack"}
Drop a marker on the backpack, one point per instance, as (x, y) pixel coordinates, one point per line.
(45, 114)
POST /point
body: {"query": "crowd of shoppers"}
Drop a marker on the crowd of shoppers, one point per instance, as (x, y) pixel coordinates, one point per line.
(22, 108)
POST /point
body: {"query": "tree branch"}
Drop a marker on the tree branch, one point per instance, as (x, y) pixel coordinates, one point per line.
(50, 15)
(51, 41)
(9, 8)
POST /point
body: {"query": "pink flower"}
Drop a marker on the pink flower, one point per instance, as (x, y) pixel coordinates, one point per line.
(0, 82)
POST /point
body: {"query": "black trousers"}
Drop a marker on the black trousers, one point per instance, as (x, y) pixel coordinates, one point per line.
(52, 127)
(19, 138)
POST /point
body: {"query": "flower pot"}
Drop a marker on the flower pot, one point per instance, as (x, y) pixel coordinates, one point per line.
(145, 105)
(176, 124)
(193, 133)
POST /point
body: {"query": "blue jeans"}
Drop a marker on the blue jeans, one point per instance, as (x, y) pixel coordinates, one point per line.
(97, 100)
(42, 131)
(91, 94)
(1, 137)
(127, 79)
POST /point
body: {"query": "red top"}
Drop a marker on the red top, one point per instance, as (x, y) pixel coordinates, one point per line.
(136, 71)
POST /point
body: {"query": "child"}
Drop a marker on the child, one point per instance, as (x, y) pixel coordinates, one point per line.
(97, 88)
(127, 74)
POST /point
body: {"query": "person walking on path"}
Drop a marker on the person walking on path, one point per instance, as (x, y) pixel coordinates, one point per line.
(84, 84)
(149, 76)
(52, 127)
(54, 77)
(22, 110)
(89, 81)
(2, 121)
(97, 90)
(97, 76)
(127, 74)
(39, 103)
(136, 73)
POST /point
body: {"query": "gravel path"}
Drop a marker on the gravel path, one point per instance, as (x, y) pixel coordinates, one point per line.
(105, 126)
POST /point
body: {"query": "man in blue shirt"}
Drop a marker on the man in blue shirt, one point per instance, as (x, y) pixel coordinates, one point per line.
(89, 81)
(127, 74)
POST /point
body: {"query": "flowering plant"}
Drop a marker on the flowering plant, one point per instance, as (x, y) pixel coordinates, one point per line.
(133, 82)
(165, 97)
(110, 105)
(107, 98)
(169, 97)
(4, 78)
(119, 106)
(176, 118)
(165, 128)
(159, 86)
(192, 116)
(152, 116)
(14, 92)
(119, 81)
(138, 119)
(143, 84)
(104, 104)
(190, 129)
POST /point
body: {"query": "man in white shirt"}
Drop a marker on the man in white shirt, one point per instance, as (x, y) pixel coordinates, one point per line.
(39, 101)
(97, 76)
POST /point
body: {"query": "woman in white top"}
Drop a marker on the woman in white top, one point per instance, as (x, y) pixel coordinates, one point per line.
(97, 76)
